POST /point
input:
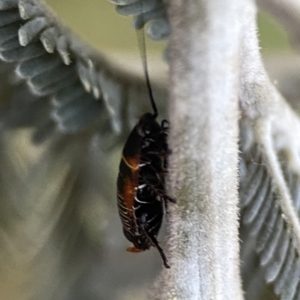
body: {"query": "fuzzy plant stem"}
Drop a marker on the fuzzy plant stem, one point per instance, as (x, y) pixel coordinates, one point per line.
(203, 247)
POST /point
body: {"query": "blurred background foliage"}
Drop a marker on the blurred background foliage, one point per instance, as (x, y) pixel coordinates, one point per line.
(273, 38)
(97, 23)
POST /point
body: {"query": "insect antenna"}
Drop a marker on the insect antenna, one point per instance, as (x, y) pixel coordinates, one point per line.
(143, 54)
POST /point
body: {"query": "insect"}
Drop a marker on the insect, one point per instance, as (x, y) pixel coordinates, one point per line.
(141, 186)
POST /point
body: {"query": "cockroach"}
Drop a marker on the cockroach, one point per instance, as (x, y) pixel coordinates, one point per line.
(141, 185)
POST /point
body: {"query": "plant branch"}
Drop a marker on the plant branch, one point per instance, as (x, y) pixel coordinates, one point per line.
(203, 236)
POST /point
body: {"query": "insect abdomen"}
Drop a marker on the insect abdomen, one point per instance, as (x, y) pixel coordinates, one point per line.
(127, 182)
(141, 193)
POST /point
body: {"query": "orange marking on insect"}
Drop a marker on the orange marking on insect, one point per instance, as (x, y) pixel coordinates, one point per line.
(132, 162)
(129, 192)
(134, 250)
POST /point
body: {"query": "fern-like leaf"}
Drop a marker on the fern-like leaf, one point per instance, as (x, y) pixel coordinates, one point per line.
(262, 213)
(80, 85)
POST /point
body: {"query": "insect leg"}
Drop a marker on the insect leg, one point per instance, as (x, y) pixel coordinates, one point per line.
(160, 194)
(163, 122)
(157, 190)
(168, 198)
(154, 242)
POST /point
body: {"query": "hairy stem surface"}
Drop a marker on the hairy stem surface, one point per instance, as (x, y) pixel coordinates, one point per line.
(203, 235)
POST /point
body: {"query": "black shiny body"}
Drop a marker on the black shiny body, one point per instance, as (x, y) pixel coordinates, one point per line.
(141, 187)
